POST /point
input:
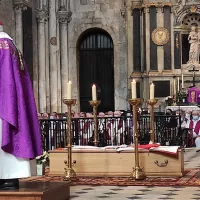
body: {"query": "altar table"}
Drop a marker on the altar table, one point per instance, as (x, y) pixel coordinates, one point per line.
(101, 162)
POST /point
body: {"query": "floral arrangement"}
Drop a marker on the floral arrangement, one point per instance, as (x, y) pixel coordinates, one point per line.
(43, 159)
(169, 100)
(181, 95)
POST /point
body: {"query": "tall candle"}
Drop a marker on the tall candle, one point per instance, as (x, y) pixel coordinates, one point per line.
(152, 88)
(178, 85)
(69, 90)
(94, 93)
(174, 87)
(182, 82)
(133, 89)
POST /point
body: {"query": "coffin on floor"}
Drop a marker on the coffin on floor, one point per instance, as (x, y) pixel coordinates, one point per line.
(101, 162)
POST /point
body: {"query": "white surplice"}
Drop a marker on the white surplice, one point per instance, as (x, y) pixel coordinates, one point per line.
(12, 167)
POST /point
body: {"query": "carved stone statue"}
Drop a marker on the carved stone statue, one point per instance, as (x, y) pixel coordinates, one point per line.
(194, 46)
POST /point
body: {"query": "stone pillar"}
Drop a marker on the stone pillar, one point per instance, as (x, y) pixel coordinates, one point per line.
(53, 56)
(42, 18)
(148, 38)
(64, 18)
(19, 8)
(160, 49)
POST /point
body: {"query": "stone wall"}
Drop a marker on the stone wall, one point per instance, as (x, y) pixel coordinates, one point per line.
(7, 16)
(104, 14)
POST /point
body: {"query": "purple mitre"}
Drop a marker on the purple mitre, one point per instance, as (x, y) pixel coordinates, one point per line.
(21, 134)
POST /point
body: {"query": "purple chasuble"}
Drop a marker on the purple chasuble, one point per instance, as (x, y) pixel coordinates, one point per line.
(21, 134)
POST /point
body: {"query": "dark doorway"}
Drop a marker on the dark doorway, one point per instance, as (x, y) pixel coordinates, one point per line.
(96, 67)
(185, 48)
(28, 40)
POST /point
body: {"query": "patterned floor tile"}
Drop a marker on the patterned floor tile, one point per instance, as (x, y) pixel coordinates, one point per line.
(87, 189)
(103, 197)
(134, 197)
(81, 192)
(110, 193)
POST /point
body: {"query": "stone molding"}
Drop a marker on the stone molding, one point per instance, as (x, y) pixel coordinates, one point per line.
(150, 4)
(64, 16)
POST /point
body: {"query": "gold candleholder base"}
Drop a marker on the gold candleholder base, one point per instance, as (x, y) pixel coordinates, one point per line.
(138, 173)
(152, 103)
(69, 173)
(95, 104)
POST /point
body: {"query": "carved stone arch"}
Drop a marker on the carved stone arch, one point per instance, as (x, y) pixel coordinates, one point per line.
(179, 17)
(82, 29)
(74, 43)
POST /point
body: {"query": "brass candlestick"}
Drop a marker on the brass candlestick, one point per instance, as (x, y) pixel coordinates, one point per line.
(137, 173)
(69, 171)
(94, 104)
(152, 102)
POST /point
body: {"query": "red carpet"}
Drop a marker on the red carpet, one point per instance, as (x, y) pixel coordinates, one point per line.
(190, 179)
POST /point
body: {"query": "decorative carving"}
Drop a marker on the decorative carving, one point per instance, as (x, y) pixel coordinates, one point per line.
(64, 16)
(181, 5)
(185, 13)
(123, 9)
(20, 2)
(177, 41)
(53, 41)
(193, 9)
(20, 7)
(42, 16)
(160, 36)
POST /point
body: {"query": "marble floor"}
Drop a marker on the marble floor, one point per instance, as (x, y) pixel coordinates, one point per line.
(191, 159)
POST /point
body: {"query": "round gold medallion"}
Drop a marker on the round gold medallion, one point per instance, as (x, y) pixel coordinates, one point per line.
(160, 36)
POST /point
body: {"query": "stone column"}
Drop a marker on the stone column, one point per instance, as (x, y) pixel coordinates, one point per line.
(42, 18)
(148, 38)
(53, 56)
(160, 49)
(64, 18)
(19, 8)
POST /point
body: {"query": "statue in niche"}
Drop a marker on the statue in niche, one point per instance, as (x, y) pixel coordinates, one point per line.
(181, 5)
(194, 46)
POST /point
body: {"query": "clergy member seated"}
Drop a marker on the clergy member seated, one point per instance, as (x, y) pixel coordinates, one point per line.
(194, 127)
(20, 137)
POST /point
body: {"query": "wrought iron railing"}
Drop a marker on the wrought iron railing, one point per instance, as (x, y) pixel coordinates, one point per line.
(112, 131)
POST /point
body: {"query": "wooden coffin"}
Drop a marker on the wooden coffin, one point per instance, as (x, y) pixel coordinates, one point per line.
(101, 162)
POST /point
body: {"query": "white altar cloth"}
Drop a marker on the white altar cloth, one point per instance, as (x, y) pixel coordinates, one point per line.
(184, 108)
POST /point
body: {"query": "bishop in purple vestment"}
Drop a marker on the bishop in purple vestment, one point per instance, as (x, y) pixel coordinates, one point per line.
(20, 137)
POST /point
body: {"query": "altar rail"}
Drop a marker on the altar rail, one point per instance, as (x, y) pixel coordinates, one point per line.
(112, 131)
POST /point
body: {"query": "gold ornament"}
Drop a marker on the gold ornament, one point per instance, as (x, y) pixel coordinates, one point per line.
(160, 36)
